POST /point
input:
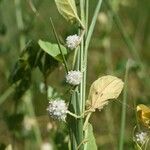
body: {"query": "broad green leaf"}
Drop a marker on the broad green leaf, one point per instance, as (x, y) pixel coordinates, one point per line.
(102, 90)
(52, 49)
(67, 8)
(89, 136)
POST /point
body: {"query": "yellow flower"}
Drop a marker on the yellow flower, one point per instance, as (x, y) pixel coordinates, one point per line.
(143, 113)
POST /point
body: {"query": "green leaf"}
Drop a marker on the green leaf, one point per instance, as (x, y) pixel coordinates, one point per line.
(67, 8)
(52, 49)
(89, 136)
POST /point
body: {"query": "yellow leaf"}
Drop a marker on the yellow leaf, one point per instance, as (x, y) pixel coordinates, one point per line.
(67, 8)
(102, 90)
(143, 113)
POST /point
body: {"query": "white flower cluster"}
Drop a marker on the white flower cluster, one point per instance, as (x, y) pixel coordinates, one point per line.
(74, 77)
(72, 41)
(58, 109)
(46, 146)
(141, 137)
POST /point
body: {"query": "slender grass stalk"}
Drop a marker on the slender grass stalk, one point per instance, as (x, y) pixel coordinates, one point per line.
(87, 15)
(92, 25)
(87, 42)
(20, 23)
(124, 33)
(57, 39)
(82, 4)
(123, 114)
(74, 58)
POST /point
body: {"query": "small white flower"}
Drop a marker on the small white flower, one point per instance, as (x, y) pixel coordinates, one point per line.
(72, 41)
(74, 77)
(42, 87)
(46, 146)
(28, 123)
(58, 109)
(141, 137)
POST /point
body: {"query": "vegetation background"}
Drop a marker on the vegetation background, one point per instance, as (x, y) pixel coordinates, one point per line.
(108, 54)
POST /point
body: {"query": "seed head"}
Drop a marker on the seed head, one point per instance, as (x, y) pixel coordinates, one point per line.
(72, 41)
(57, 109)
(74, 77)
(141, 137)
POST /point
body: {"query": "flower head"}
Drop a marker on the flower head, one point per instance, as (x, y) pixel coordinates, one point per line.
(74, 77)
(28, 123)
(57, 109)
(72, 41)
(141, 137)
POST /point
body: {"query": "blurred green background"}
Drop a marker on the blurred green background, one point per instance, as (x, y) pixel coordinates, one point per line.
(108, 54)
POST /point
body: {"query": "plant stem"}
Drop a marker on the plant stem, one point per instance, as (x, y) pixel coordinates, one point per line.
(86, 15)
(124, 33)
(123, 114)
(78, 97)
(57, 39)
(87, 42)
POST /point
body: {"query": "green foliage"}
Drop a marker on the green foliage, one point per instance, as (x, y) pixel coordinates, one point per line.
(35, 64)
(31, 58)
(67, 8)
(53, 49)
(14, 121)
(2, 146)
(27, 61)
(21, 73)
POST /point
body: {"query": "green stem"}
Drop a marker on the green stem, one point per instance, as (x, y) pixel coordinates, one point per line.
(57, 39)
(82, 4)
(124, 33)
(123, 114)
(87, 42)
(87, 15)
(74, 58)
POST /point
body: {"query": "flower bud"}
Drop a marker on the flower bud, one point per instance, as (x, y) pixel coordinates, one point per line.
(74, 77)
(57, 109)
(72, 41)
